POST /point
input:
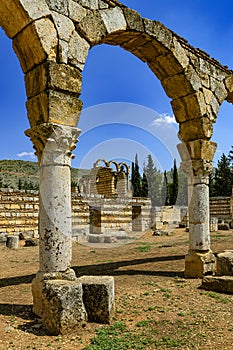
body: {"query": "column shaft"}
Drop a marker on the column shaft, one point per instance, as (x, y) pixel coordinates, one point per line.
(199, 235)
(54, 144)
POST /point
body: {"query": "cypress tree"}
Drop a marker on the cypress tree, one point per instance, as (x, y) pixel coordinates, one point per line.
(164, 192)
(174, 188)
(136, 179)
(144, 189)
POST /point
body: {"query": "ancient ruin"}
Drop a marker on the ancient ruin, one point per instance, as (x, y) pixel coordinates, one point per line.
(51, 39)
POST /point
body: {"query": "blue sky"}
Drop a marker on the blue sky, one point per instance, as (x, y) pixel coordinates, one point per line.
(125, 108)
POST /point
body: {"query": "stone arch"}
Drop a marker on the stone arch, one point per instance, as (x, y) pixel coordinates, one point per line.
(191, 79)
(126, 166)
(116, 165)
(51, 39)
(96, 164)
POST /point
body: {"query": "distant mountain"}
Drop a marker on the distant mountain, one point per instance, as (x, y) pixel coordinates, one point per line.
(20, 174)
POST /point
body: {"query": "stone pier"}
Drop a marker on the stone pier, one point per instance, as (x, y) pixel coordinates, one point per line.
(197, 162)
(54, 145)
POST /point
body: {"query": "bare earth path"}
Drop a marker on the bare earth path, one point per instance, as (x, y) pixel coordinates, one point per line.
(152, 296)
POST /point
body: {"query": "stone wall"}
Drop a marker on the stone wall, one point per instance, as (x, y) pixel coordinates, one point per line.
(19, 211)
(221, 207)
(115, 213)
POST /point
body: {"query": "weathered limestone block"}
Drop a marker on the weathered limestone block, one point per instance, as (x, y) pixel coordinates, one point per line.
(36, 43)
(113, 19)
(93, 27)
(189, 107)
(78, 50)
(51, 75)
(63, 49)
(54, 107)
(180, 53)
(95, 238)
(200, 128)
(60, 6)
(201, 149)
(63, 309)
(220, 92)
(199, 264)
(12, 242)
(182, 84)
(91, 4)
(38, 283)
(224, 263)
(76, 11)
(98, 297)
(229, 87)
(159, 31)
(65, 27)
(16, 15)
(165, 66)
(134, 20)
(221, 284)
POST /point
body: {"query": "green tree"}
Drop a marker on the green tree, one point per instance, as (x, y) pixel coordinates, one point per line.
(136, 178)
(154, 178)
(175, 184)
(144, 189)
(223, 179)
(164, 191)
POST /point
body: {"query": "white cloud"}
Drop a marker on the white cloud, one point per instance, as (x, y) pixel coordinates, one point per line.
(26, 154)
(164, 119)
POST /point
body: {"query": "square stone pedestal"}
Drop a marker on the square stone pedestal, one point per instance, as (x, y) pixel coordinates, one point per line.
(98, 297)
(199, 264)
(63, 308)
(64, 302)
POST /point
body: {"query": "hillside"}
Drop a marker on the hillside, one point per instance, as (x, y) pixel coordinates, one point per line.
(20, 174)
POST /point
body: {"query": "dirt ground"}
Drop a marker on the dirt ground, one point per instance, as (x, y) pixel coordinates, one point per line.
(149, 285)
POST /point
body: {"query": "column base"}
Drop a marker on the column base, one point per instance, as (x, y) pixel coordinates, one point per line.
(65, 302)
(38, 284)
(199, 264)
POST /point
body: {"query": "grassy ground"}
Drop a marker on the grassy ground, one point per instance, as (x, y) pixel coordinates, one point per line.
(156, 307)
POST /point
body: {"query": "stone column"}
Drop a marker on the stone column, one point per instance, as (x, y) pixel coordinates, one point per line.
(197, 162)
(200, 260)
(54, 144)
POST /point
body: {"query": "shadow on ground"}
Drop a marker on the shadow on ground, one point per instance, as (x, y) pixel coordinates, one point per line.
(110, 268)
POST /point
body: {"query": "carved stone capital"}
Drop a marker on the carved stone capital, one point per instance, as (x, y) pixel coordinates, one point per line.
(197, 149)
(53, 143)
(199, 170)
